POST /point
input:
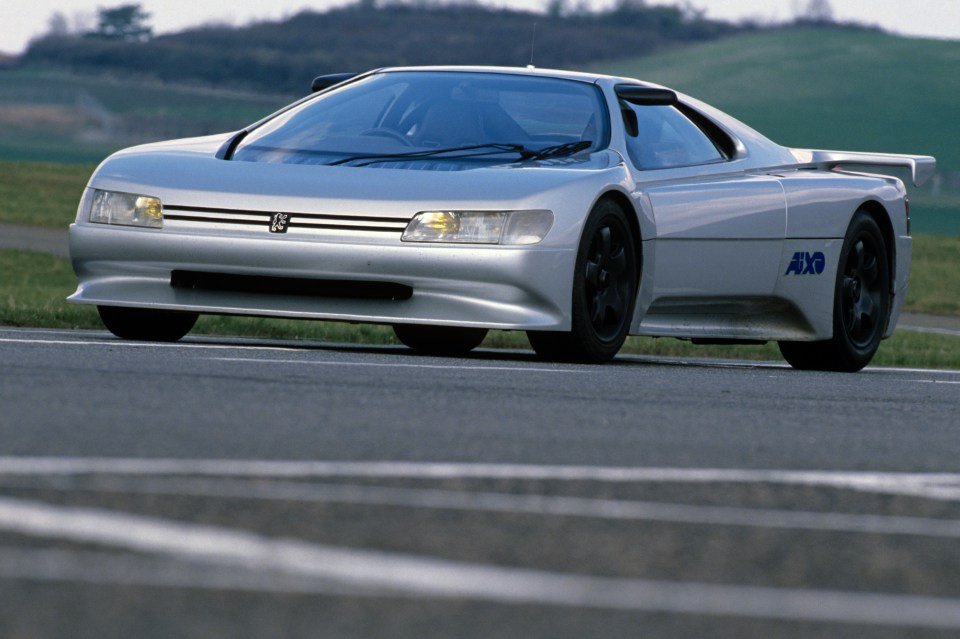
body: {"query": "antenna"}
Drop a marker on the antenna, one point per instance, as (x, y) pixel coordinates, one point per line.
(533, 43)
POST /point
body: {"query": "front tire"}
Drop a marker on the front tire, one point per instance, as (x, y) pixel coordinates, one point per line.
(604, 292)
(861, 305)
(143, 324)
(439, 340)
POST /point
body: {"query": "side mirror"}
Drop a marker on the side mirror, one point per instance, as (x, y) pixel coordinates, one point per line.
(322, 82)
(646, 96)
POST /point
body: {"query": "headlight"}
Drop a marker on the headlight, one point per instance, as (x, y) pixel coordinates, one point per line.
(479, 227)
(128, 209)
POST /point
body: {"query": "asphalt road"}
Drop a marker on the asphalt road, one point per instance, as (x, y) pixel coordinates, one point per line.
(229, 488)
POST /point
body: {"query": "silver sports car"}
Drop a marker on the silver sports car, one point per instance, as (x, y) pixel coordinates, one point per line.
(448, 201)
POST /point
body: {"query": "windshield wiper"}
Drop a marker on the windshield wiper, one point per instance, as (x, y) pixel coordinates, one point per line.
(558, 150)
(546, 153)
(483, 149)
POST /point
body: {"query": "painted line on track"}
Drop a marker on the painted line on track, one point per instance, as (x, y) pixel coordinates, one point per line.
(525, 504)
(458, 367)
(425, 577)
(110, 568)
(116, 344)
(928, 329)
(132, 344)
(624, 358)
(932, 485)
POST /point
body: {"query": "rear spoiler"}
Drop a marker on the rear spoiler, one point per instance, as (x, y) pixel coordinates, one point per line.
(921, 167)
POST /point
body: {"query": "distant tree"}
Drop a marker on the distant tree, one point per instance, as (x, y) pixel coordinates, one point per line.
(692, 13)
(558, 8)
(818, 11)
(57, 24)
(127, 22)
(630, 6)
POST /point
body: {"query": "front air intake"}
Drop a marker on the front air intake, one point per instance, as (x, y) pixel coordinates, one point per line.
(287, 286)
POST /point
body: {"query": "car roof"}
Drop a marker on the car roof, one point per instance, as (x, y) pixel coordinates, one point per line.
(527, 71)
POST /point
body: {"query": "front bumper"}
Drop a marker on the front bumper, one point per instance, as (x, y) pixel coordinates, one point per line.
(516, 287)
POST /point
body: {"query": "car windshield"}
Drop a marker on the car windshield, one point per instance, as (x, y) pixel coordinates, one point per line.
(397, 118)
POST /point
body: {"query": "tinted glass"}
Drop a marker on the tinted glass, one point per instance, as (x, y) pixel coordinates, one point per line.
(666, 138)
(405, 112)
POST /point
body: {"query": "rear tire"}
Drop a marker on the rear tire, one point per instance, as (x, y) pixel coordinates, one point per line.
(861, 305)
(604, 292)
(144, 324)
(439, 340)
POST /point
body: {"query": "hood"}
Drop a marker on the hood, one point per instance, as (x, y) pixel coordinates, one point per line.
(187, 173)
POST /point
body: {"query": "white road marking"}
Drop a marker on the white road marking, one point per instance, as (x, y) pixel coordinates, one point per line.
(476, 367)
(922, 371)
(931, 381)
(926, 329)
(128, 344)
(527, 504)
(720, 363)
(259, 348)
(418, 576)
(932, 485)
(107, 567)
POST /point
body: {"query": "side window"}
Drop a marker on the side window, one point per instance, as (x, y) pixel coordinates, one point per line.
(661, 137)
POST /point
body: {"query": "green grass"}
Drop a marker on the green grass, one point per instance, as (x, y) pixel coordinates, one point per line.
(40, 194)
(35, 297)
(934, 276)
(935, 214)
(33, 289)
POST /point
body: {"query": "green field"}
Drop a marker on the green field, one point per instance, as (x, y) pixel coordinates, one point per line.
(56, 116)
(41, 194)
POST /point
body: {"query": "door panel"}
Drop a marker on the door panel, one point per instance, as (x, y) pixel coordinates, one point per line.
(718, 238)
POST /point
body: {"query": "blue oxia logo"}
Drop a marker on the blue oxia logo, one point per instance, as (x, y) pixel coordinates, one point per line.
(807, 263)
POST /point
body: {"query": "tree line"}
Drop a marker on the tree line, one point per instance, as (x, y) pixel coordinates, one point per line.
(284, 56)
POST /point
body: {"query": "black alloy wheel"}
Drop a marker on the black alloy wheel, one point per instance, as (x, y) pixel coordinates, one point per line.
(861, 306)
(604, 292)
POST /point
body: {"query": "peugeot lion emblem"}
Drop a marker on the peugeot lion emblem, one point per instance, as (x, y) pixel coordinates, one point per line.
(279, 222)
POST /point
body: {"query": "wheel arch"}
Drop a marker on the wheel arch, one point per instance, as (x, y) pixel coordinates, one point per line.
(881, 216)
(623, 201)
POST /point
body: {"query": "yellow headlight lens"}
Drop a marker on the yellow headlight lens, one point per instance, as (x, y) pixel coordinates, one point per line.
(439, 224)
(150, 206)
(479, 227)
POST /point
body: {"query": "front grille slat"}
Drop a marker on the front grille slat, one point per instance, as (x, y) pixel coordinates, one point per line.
(313, 221)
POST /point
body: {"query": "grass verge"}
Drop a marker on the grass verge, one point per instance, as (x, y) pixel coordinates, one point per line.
(39, 194)
(34, 285)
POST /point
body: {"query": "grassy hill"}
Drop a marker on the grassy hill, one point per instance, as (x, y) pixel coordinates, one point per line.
(833, 89)
(277, 57)
(825, 88)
